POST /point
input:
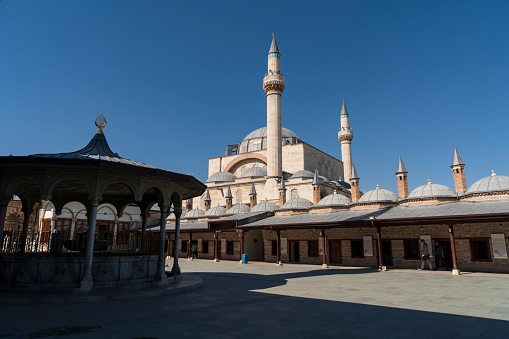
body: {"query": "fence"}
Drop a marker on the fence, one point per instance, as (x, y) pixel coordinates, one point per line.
(60, 244)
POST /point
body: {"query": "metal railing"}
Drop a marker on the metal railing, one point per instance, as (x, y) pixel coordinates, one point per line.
(60, 244)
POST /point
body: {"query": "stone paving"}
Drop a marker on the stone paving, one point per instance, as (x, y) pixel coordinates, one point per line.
(261, 300)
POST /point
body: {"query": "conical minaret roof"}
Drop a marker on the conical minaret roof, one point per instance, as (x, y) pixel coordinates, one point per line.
(401, 166)
(207, 196)
(344, 111)
(354, 172)
(282, 185)
(228, 193)
(273, 45)
(253, 190)
(456, 159)
(315, 178)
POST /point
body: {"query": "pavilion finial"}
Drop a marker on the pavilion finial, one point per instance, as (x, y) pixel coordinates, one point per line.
(101, 123)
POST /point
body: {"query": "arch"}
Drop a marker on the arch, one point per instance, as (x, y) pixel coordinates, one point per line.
(131, 185)
(238, 197)
(176, 200)
(294, 193)
(106, 206)
(53, 182)
(244, 157)
(12, 184)
(154, 193)
(122, 210)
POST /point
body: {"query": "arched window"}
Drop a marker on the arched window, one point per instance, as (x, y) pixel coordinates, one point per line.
(295, 193)
(238, 197)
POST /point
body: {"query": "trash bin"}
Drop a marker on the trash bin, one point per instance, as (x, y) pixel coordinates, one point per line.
(244, 258)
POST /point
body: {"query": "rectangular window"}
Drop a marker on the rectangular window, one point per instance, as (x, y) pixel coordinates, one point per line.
(411, 249)
(357, 249)
(205, 247)
(313, 248)
(274, 247)
(480, 249)
(229, 247)
(183, 245)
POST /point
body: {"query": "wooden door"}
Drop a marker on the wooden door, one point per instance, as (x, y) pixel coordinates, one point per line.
(335, 256)
(386, 253)
(294, 251)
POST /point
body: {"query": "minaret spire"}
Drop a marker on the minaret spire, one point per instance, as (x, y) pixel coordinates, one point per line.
(458, 172)
(345, 136)
(401, 174)
(273, 85)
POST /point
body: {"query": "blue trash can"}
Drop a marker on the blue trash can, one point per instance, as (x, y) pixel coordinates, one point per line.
(244, 258)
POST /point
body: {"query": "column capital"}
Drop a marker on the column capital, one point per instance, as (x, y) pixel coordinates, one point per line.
(94, 202)
(178, 212)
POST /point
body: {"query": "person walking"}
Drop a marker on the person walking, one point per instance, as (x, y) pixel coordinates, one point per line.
(425, 256)
(194, 251)
(439, 256)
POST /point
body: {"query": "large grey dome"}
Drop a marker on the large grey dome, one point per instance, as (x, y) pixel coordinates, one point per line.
(238, 208)
(215, 211)
(262, 133)
(194, 213)
(254, 172)
(303, 174)
(334, 200)
(378, 195)
(431, 191)
(493, 183)
(297, 204)
(265, 206)
(222, 177)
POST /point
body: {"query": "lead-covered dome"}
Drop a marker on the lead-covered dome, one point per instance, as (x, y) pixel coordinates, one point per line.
(334, 200)
(257, 140)
(238, 208)
(215, 211)
(297, 204)
(265, 206)
(303, 174)
(254, 172)
(493, 183)
(222, 177)
(378, 195)
(431, 191)
(194, 213)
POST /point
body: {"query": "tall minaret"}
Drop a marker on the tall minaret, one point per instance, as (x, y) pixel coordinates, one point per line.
(273, 85)
(345, 136)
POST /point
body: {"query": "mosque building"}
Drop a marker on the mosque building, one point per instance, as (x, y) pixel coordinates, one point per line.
(276, 198)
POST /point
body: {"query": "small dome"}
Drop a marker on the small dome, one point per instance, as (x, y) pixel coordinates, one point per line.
(221, 177)
(379, 195)
(194, 213)
(262, 133)
(431, 191)
(323, 178)
(302, 174)
(297, 204)
(215, 211)
(254, 172)
(493, 183)
(342, 183)
(238, 208)
(265, 206)
(334, 200)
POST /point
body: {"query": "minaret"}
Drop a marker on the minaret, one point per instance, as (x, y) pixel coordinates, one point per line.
(273, 85)
(282, 193)
(458, 172)
(345, 136)
(401, 174)
(354, 181)
(189, 205)
(252, 196)
(207, 201)
(229, 199)
(316, 189)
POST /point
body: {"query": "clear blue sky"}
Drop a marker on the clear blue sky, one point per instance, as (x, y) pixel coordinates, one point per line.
(180, 80)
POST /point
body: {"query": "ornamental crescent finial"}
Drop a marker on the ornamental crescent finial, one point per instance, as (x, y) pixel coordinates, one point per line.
(101, 123)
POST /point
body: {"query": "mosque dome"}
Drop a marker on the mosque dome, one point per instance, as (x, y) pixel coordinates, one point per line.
(493, 183)
(238, 208)
(303, 174)
(334, 200)
(297, 204)
(265, 206)
(431, 191)
(215, 211)
(254, 172)
(378, 195)
(257, 140)
(194, 213)
(222, 177)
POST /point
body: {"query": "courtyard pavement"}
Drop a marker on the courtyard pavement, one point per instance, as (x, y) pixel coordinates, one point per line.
(261, 300)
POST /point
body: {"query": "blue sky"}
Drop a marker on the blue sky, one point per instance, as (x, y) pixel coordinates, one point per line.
(180, 80)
